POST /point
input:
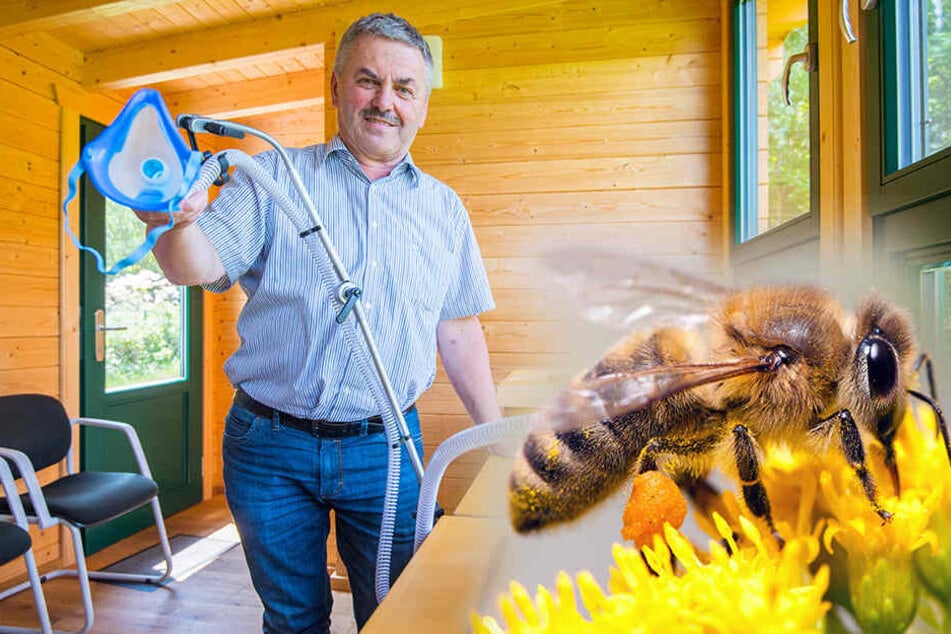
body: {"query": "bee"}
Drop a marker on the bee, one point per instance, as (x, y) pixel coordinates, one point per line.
(763, 365)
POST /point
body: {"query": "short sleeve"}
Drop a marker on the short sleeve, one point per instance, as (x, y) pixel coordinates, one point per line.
(468, 290)
(236, 224)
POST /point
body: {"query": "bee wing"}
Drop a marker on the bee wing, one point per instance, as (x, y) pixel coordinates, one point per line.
(623, 291)
(590, 400)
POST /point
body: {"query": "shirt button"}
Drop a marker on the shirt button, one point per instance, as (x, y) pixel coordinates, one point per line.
(373, 225)
(346, 390)
(373, 263)
(369, 306)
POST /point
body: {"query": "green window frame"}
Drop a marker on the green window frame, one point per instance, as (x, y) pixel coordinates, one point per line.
(898, 176)
(908, 192)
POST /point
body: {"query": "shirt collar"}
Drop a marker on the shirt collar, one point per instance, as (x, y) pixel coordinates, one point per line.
(338, 147)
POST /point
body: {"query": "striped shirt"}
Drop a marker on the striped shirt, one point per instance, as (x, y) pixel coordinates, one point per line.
(405, 240)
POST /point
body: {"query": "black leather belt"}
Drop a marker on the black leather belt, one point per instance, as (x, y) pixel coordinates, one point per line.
(320, 428)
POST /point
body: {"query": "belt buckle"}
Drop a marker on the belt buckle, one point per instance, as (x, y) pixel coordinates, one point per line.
(327, 429)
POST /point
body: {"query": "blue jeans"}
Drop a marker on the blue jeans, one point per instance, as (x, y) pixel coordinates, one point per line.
(281, 484)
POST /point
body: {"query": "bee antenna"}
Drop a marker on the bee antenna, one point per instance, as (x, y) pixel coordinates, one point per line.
(942, 428)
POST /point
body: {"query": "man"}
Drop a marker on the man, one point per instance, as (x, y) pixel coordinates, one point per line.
(407, 242)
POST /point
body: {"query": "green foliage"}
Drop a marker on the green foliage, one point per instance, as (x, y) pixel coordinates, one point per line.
(939, 74)
(788, 161)
(140, 299)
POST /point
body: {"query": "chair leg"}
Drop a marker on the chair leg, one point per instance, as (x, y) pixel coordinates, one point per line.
(130, 577)
(82, 574)
(163, 539)
(39, 599)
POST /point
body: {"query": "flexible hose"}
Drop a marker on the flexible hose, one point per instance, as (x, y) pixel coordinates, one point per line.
(459, 443)
(208, 173)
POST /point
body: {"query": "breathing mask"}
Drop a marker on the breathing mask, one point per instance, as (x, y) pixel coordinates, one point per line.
(139, 161)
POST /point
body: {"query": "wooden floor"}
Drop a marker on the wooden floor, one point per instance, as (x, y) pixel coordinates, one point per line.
(219, 599)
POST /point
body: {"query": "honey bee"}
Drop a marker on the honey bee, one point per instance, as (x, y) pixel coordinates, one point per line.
(768, 364)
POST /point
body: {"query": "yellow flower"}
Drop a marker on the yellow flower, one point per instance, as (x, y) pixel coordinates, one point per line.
(737, 591)
(873, 569)
(882, 580)
(922, 458)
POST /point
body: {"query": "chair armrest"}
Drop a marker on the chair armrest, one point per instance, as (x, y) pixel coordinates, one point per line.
(28, 473)
(130, 434)
(9, 486)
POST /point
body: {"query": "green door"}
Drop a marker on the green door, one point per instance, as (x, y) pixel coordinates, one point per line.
(141, 364)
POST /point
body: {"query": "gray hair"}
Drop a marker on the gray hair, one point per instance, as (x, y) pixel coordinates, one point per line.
(391, 27)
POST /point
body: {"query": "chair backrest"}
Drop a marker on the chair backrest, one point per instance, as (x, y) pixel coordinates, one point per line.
(37, 425)
(14, 541)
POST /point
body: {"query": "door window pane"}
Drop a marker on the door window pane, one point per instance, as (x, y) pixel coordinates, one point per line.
(143, 312)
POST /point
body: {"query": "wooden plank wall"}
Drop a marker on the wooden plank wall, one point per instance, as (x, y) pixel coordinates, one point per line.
(30, 68)
(29, 236)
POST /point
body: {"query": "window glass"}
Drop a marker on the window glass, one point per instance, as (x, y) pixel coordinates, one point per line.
(935, 281)
(145, 334)
(774, 162)
(787, 150)
(938, 45)
(917, 80)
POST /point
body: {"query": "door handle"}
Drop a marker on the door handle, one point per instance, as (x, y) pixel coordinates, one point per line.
(809, 60)
(845, 23)
(100, 327)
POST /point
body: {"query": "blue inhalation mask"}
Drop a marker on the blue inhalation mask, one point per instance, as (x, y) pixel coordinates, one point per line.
(139, 161)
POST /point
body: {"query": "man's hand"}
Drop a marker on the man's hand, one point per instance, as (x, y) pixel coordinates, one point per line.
(190, 208)
(184, 252)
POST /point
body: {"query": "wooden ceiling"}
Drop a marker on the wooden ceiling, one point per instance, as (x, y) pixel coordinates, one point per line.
(236, 58)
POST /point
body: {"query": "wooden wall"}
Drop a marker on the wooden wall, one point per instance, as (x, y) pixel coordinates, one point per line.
(29, 236)
(590, 122)
(37, 80)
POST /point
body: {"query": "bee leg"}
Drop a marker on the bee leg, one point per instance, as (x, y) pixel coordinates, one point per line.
(854, 452)
(885, 431)
(647, 459)
(754, 493)
(940, 423)
(925, 359)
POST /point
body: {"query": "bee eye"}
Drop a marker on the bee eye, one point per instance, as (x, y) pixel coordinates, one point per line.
(882, 364)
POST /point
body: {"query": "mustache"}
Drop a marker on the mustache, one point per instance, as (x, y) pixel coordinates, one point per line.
(389, 117)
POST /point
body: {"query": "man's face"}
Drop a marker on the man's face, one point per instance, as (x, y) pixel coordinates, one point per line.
(381, 99)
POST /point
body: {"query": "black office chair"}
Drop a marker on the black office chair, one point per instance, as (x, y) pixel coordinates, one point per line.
(35, 433)
(15, 542)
